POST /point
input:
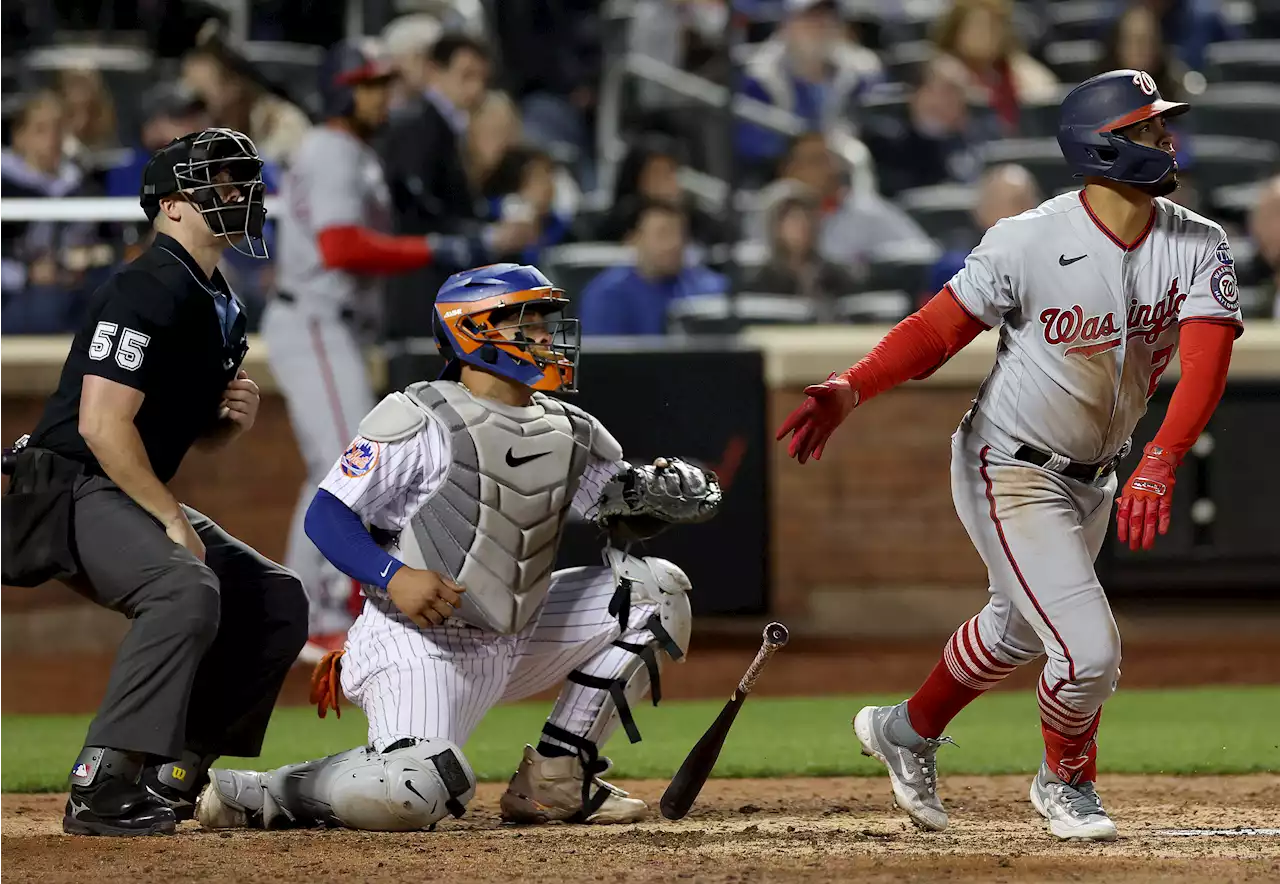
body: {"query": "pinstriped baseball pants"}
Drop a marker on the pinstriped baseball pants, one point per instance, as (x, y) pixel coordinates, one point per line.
(440, 682)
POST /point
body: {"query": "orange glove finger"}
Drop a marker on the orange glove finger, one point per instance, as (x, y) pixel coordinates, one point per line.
(325, 681)
(1122, 519)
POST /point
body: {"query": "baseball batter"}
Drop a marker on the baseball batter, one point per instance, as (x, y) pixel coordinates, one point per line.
(449, 505)
(1094, 292)
(334, 250)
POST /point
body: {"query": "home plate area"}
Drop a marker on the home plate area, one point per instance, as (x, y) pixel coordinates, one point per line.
(819, 830)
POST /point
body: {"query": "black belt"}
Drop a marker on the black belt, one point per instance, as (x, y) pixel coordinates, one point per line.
(346, 313)
(1081, 472)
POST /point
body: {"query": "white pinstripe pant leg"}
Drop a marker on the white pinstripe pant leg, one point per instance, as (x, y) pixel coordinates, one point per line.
(574, 630)
(412, 682)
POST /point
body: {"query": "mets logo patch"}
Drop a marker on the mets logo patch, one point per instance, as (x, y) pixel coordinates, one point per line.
(1223, 286)
(360, 458)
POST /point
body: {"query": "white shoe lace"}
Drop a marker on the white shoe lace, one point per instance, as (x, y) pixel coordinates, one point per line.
(927, 757)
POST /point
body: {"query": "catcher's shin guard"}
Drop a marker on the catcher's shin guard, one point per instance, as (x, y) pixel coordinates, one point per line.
(411, 785)
(621, 675)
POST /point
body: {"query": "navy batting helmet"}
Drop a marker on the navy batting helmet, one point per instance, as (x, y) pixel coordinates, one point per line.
(345, 65)
(1093, 111)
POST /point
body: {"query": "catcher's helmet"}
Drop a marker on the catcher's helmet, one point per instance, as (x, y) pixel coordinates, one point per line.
(481, 318)
(1093, 111)
(194, 165)
(347, 63)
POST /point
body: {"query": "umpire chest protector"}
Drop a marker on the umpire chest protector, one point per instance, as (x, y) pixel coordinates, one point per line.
(494, 524)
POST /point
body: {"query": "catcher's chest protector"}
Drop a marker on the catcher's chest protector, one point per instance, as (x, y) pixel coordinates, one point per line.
(494, 526)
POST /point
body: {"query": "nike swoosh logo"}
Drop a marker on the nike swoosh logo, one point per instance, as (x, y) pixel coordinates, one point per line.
(408, 784)
(513, 461)
(386, 569)
(1067, 262)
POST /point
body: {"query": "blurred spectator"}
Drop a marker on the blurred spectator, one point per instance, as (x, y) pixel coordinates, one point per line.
(523, 186)
(1264, 228)
(1136, 42)
(935, 143)
(1003, 192)
(1187, 27)
(425, 161)
(855, 221)
(171, 111)
(810, 68)
(981, 35)
(633, 299)
(234, 100)
(795, 267)
(495, 128)
(90, 114)
(408, 41)
(650, 170)
(551, 59)
(43, 262)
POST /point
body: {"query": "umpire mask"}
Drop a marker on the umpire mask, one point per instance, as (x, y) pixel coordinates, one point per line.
(219, 172)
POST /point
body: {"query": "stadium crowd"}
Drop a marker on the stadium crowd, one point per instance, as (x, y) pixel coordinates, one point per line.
(877, 139)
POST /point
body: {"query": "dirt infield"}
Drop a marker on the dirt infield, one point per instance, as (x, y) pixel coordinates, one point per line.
(800, 830)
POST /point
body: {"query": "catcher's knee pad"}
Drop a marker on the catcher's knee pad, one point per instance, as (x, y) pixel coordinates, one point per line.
(660, 582)
(409, 786)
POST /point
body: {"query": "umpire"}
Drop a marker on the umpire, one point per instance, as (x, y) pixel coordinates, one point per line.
(155, 370)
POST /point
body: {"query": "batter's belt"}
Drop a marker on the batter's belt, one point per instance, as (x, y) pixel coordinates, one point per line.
(1072, 469)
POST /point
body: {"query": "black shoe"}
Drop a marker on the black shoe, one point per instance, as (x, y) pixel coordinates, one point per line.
(182, 803)
(117, 807)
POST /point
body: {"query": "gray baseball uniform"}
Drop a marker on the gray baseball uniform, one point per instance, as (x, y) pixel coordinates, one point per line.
(314, 331)
(1088, 323)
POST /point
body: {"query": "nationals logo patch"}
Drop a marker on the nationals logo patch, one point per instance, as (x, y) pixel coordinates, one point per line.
(1222, 284)
(360, 458)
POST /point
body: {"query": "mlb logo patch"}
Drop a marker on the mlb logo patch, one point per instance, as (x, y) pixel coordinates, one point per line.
(360, 458)
(81, 770)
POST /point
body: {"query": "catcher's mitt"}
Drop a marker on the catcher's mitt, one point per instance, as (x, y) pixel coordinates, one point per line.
(642, 502)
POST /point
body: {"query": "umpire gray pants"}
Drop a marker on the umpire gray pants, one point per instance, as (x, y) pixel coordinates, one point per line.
(211, 641)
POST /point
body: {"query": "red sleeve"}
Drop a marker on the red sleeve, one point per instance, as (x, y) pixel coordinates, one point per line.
(1205, 354)
(361, 250)
(916, 347)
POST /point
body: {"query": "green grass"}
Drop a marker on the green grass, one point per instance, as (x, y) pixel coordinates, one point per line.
(1201, 731)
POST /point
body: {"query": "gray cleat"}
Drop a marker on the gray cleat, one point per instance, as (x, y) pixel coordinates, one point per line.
(886, 734)
(1074, 812)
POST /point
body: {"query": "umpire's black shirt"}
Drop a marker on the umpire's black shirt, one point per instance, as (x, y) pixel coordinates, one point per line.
(154, 326)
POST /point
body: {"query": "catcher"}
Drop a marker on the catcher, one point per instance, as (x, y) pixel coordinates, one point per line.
(448, 508)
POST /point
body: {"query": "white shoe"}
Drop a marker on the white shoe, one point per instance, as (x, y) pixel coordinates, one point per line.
(1074, 812)
(886, 734)
(547, 789)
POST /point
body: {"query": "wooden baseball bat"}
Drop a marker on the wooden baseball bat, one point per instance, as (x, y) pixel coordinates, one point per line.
(697, 766)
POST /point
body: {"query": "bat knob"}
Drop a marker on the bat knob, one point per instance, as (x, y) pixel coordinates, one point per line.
(776, 634)
(661, 463)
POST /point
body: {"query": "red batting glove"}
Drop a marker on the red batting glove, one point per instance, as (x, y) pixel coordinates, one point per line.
(1146, 503)
(829, 403)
